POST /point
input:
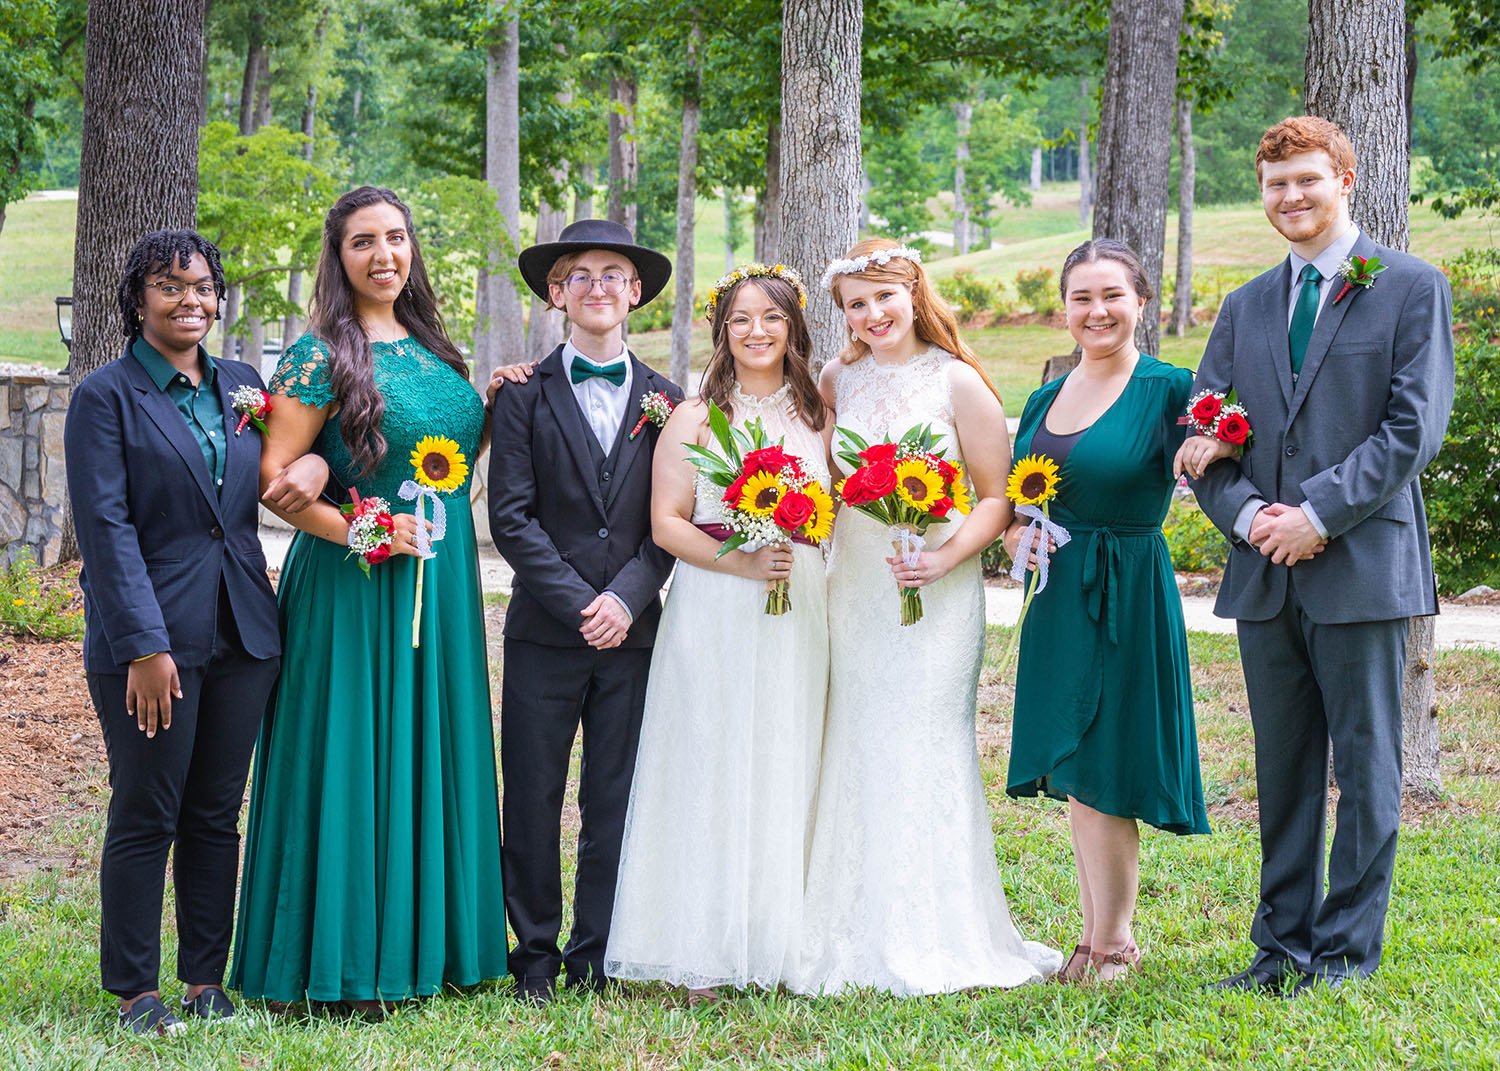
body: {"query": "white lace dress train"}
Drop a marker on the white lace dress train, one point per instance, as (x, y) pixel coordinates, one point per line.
(903, 892)
(714, 858)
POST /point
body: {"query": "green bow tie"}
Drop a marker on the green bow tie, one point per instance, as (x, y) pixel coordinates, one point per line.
(583, 369)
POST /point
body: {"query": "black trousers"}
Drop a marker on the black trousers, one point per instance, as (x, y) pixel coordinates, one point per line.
(547, 692)
(181, 791)
(1308, 683)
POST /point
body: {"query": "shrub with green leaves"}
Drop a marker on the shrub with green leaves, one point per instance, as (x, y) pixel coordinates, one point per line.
(1462, 486)
(967, 293)
(1474, 276)
(1037, 290)
(657, 316)
(34, 603)
(1195, 544)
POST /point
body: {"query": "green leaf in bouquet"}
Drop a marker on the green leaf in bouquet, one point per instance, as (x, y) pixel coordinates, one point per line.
(851, 437)
(710, 464)
(734, 542)
(718, 423)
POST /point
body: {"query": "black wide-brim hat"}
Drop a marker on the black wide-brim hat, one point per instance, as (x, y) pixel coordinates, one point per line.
(585, 234)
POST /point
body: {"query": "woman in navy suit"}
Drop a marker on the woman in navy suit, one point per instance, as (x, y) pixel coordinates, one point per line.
(180, 638)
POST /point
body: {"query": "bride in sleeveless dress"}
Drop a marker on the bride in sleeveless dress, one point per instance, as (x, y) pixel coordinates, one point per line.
(713, 864)
(903, 892)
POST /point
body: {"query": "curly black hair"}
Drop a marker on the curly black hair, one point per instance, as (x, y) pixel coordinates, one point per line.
(160, 251)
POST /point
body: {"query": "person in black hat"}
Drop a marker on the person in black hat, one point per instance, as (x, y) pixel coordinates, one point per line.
(569, 499)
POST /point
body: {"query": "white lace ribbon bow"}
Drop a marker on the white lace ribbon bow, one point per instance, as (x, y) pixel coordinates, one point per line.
(412, 491)
(1035, 536)
(908, 543)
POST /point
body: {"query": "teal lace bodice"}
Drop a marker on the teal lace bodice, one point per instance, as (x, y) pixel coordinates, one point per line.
(423, 396)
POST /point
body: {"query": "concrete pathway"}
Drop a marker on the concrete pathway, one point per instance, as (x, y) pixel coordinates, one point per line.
(1457, 626)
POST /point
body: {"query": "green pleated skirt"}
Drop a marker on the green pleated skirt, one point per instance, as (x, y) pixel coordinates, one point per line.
(372, 858)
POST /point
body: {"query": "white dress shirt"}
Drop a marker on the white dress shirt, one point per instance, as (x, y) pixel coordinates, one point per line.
(602, 403)
(603, 406)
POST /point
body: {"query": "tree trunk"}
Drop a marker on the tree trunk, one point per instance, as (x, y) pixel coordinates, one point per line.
(768, 206)
(544, 326)
(1368, 37)
(499, 335)
(683, 310)
(138, 163)
(1085, 180)
(624, 165)
(1371, 37)
(583, 203)
(255, 49)
(1036, 169)
(208, 6)
(1187, 162)
(820, 153)
(291, 326)
(1135, 139)
(963, 113)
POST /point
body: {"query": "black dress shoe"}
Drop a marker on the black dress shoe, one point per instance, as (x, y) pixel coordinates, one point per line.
(1308, 982)
(1255, 980)
(538, 992)
(149, 1017)
(212, 1003)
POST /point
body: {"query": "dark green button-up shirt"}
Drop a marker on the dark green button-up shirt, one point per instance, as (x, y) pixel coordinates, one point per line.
(199, 406)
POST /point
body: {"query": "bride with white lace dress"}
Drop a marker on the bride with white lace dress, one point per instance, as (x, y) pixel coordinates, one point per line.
(710, 889)
(903, 893)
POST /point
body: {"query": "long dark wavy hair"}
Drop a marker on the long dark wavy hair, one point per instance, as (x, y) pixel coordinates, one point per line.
(718, 377)
(351, 362)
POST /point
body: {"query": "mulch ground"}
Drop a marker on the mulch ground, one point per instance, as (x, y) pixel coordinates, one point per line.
(51, 749)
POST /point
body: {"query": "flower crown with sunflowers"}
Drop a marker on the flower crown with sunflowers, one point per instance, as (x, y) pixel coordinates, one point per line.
(755, 271)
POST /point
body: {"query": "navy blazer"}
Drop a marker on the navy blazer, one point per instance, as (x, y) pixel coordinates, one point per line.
(568, 533)
(157, 542)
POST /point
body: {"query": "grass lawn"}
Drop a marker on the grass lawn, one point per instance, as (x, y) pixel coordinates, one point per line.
(1426, 1008)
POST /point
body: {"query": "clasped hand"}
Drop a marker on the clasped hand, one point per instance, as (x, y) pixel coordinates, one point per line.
(771, 562)
(1285, 535)
(1197, 452)
(928, 568)
(1012, 541)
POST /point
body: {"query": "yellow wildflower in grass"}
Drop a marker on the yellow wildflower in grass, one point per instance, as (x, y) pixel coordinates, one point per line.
(439, 463)
(760, 494)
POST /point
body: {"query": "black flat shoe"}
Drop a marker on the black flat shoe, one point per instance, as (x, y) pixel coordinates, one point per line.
(1254, 981)
(212, 1003)
(149, 1017)
(538, 992)
(1308, 982)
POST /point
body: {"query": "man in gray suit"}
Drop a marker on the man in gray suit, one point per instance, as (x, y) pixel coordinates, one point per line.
(1347, 377)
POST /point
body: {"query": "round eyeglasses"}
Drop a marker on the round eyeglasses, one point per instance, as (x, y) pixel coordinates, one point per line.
(176, 291)
(613, 283)
(772, 323)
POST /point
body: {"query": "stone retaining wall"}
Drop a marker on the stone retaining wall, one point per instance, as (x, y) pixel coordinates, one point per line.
(33, 481)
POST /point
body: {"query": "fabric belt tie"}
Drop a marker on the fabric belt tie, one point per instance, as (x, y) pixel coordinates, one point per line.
(1101, 573)
(722, 532)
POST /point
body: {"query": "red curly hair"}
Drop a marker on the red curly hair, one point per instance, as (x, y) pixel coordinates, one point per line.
(1305, 133)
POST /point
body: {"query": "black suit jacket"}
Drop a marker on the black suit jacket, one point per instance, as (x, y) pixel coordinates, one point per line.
(157, 542)
(569, 533)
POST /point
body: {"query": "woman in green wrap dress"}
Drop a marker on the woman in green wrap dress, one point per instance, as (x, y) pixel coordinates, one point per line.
(1104, 706)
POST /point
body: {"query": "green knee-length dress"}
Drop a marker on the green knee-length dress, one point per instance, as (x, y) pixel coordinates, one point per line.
(372, 860)
(1104, 702)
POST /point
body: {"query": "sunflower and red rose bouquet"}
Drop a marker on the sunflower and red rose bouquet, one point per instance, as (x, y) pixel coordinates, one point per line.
(908, 486)
(768, 495)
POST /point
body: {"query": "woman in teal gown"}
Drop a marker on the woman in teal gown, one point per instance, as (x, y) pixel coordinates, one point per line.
(372, 860)
(1104, 704)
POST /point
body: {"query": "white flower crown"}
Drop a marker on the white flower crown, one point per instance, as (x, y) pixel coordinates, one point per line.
(880, 258)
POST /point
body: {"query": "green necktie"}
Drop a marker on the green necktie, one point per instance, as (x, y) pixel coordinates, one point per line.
(1304, 316)
(583, 368)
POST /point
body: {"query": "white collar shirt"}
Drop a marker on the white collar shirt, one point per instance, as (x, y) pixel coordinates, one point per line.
(1327, 263)
(602, 403)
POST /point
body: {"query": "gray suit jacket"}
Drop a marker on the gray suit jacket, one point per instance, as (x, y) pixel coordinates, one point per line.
(1351, 436)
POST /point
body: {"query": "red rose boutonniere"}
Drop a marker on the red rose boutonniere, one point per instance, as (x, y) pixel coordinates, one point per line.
(1358, 271)
(252, 404)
